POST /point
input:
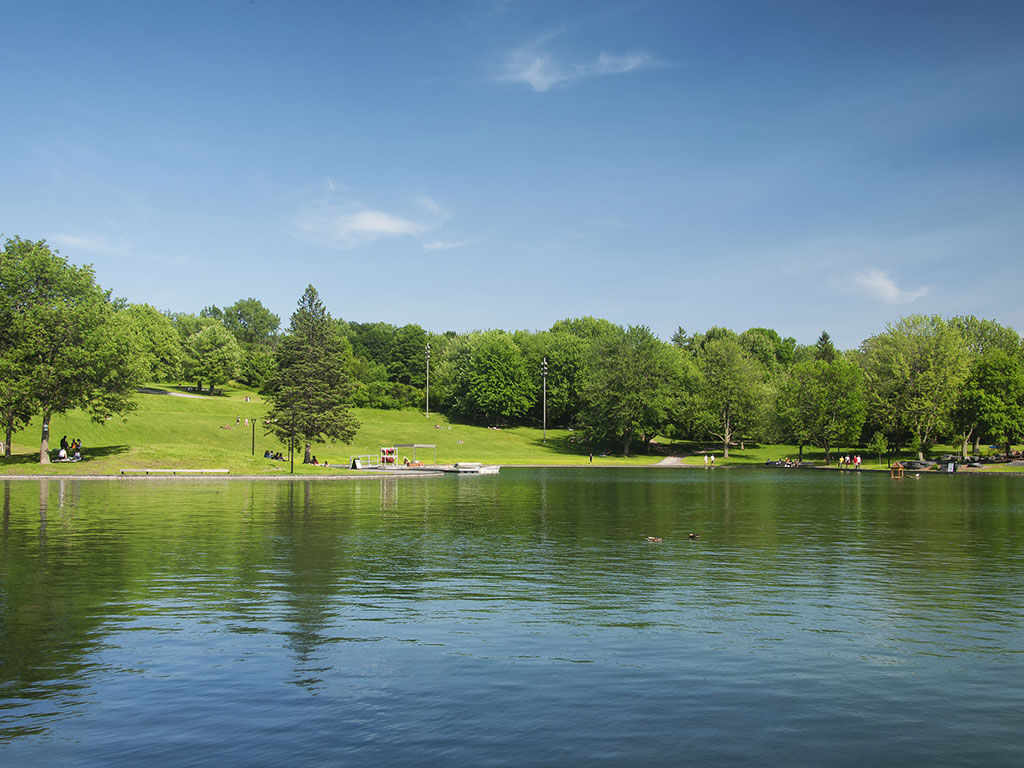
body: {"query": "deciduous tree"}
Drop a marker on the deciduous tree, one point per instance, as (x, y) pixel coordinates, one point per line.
(634, 386)
(250, 321)
(993, 394)
(913, 374)
(824, 402)
(213, 356)
(733, 388)
(155, 343)
(63, 339)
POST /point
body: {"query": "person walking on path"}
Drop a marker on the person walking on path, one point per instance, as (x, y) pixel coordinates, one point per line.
(705, 460)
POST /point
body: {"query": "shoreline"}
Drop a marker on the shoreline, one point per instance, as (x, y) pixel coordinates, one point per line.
(434, 474)
(285, 478)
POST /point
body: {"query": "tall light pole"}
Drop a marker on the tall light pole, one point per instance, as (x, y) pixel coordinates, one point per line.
(544, 380)
(428, 381)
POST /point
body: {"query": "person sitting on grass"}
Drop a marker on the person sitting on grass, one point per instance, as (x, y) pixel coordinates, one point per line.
(62, 454)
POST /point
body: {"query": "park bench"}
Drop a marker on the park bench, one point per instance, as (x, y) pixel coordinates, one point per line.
(175, 471)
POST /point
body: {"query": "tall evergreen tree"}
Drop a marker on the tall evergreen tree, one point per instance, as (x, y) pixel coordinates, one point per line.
(824, 349)
(311, 393)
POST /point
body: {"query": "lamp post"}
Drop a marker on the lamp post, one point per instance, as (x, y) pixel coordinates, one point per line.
(544, 380)
(428, 381)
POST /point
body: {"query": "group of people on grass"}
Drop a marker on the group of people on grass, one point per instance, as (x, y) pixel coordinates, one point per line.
(786, 462)
(268, 454)
(849, 462)
(69, 451)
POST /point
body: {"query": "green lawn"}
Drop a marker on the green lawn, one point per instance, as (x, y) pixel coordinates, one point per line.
(754, 454)
(168, 431)
(200, 432)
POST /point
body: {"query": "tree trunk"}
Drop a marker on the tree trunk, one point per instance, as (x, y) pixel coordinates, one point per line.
(199, 385)
(307, 456)
(828, 457)
(44, 446)
(211, 387)
(977, 445)
(9, 435)
(800, 455)
(966, 440)
(726, 437)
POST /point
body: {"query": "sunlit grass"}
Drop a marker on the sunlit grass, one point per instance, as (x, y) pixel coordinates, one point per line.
(205, 432)
(168, 431)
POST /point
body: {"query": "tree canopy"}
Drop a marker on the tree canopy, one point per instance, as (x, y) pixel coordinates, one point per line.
(634, 385)
(65, 344)
(62, 339)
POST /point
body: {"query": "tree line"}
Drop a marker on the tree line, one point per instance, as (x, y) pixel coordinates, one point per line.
(66, 344)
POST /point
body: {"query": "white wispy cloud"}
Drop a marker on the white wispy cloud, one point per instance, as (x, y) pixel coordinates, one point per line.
(445, 245)
(92, 243)
(879, 285)
(537, 67)
(345, 223)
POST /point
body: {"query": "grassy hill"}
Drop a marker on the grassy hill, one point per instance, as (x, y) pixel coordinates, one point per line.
(175, 429)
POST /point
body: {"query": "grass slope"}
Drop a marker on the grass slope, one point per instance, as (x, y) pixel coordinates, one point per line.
(200, 432)
(171, 431)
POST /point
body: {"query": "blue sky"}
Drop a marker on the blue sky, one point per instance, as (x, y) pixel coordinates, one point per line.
(470, 165)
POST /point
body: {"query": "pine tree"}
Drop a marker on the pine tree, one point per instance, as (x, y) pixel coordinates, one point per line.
(826, 351)
(313, 386)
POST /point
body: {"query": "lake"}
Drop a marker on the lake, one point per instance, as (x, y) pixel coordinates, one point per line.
(519, 619)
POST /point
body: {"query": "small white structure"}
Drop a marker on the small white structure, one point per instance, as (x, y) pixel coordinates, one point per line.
(474, 468)
(421, 446)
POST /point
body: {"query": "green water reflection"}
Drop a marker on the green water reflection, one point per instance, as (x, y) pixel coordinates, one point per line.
(835, 580)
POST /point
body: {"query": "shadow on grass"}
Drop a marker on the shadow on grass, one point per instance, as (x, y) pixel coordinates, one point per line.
(580, 446)
(200, 392)
(169, 389)
(92, 454)
(563, 446)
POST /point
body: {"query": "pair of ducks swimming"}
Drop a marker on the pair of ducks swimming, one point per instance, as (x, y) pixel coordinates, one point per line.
(658, 539)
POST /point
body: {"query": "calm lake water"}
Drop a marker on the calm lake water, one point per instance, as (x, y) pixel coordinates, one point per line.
(822, 618)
